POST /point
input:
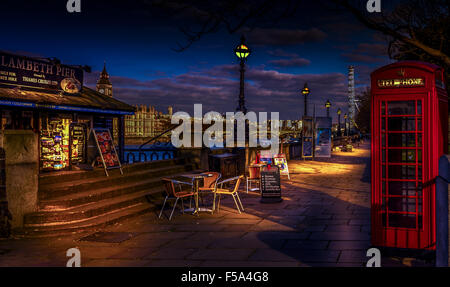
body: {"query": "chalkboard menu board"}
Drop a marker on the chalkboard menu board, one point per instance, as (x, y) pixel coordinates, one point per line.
(108, 154)
(271, 185)
(77, 143)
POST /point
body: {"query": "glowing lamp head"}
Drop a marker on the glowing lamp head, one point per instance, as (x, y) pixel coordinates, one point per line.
(345, 116)
(242, 51)
(328, 104)
(306, 90)
(339, 111)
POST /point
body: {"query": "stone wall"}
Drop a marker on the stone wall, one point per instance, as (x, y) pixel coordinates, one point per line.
(22, 169)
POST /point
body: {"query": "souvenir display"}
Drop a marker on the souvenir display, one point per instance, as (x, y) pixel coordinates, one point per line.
(55, 144)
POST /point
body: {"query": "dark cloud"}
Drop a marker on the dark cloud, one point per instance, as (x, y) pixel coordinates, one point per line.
(294, 62)
(218, 89)
(285, 37)
(361, 58)
(368, 53)
(281, 53)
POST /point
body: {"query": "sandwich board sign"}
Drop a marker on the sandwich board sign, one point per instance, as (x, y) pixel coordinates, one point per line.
(270, 185)
(280, 161)
(108, 154)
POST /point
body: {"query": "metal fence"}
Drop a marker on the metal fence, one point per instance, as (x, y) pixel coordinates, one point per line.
(157, 151)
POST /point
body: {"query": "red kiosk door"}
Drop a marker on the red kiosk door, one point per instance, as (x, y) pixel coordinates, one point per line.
(401, 218)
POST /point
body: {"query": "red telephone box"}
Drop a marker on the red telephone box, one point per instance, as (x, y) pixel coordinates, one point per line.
(409, 134)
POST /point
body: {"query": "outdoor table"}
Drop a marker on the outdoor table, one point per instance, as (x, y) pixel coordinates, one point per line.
(195, 183)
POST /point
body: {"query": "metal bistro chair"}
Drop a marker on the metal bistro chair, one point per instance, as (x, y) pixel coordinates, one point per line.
(210, 182)
(172, 193)
(233, 192)
(254, 175)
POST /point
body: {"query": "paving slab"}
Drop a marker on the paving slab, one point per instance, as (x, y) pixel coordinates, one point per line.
(324, 220)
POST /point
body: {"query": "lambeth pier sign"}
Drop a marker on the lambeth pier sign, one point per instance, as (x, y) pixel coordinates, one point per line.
(39, 74)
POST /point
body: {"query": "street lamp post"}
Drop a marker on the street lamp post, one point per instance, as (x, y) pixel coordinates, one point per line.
(328, 106)
(339, 122)
(305, 93)
(345, 125)
(242, 52)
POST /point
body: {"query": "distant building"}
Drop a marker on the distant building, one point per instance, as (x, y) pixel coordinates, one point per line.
(147, 122)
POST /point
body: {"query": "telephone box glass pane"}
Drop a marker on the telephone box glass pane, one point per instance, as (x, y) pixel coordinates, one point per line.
(402, 124)
(402, 188)
(402, 108)
(407, 204)
(419, 107)
(402, 220)
(402, 156)
(402, 140)
(402, 172)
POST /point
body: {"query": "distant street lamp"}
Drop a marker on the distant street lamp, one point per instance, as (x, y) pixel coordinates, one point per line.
(305, 93)
(328, 106)
(345, 125)
(242, 52)
(339, 121)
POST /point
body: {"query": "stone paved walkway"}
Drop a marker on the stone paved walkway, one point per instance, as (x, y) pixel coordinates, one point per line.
(324, 220)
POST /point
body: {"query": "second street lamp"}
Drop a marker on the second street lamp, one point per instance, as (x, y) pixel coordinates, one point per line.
(305, 93)
(242, 52)
(345, 125)
(328, 106)
(339, 122)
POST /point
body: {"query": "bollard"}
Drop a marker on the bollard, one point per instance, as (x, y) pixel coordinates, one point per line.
(442, 240)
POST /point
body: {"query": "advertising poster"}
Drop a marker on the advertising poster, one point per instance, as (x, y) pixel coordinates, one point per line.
(281, 162)
(323, 137)
(107, 150)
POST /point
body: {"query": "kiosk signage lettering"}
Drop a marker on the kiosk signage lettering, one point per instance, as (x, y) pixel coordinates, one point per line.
(398, 83)
(39, 74)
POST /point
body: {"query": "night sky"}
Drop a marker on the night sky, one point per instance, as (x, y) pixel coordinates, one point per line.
(138, 43)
